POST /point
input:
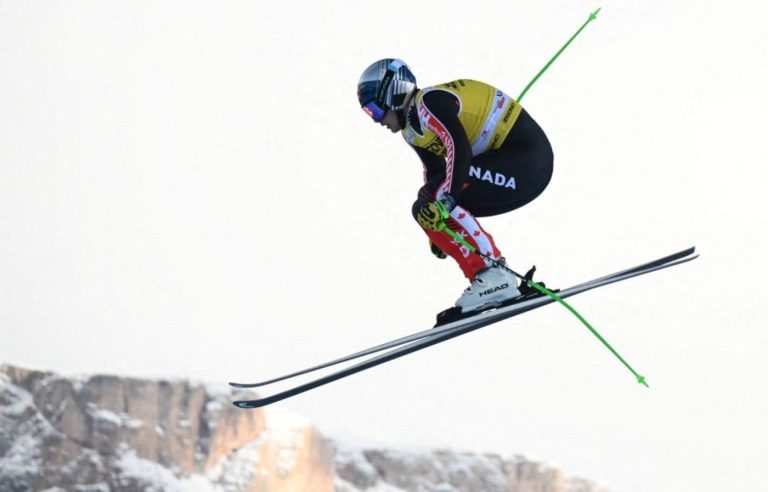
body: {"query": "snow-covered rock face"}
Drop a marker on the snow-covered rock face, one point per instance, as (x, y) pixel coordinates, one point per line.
(105, 433)
(376, 470)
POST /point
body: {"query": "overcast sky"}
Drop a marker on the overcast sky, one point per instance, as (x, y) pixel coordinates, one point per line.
(189, 189)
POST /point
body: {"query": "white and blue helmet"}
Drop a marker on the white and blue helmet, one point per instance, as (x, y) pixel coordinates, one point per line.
(385, 85)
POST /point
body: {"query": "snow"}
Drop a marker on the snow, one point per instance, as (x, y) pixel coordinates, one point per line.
(280, 444)
(93, 487)
(114, 418)
(214, 406)
(23, 458)
(344, 486)
(157, 478)
(353, 457)
(107, 416)
(285, 432)
(78, 381)
(19, 399)
(283, 437)
(434, 470)
(234, 472)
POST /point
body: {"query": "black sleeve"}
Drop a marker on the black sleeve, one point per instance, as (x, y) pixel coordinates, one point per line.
(441, 111)
(433, 163)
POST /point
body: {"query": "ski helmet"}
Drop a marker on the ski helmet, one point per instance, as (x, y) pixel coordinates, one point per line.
(385, 85)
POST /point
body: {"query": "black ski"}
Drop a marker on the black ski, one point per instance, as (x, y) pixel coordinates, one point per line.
(431, 337)
(443, 328)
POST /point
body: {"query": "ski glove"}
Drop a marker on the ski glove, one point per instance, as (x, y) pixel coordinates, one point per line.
(433, 214)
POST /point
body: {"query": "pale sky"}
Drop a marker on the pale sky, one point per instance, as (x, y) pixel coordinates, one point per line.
(189, 189)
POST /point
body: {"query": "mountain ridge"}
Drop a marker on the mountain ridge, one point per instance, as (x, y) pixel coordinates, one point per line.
(99, 433)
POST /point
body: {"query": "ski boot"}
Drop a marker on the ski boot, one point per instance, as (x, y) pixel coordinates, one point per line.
(493, 287)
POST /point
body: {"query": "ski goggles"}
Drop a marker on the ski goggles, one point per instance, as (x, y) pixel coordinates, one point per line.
(374, 111)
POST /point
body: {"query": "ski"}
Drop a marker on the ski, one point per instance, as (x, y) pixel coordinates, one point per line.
(430, 337)
(443, 328)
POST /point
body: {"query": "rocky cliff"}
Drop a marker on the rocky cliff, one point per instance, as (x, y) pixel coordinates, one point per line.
(107, 433)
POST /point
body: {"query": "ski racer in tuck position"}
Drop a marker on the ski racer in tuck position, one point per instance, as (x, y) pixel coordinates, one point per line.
(482, 155)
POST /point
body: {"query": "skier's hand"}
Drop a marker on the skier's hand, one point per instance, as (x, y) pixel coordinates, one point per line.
(437, 251)
(429, 216)
(432, 215)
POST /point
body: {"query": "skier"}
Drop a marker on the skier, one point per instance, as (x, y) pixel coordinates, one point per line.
(482, 155)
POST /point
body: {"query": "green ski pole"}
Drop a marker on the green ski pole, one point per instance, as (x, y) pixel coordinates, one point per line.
(592, 17)
(444, 213)
(444, 228)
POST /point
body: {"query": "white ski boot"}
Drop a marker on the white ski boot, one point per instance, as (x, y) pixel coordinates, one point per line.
(490, 287)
